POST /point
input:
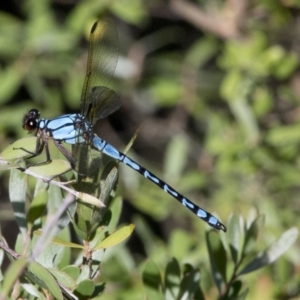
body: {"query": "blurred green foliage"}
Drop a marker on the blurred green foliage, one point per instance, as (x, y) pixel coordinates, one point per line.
(215, 87)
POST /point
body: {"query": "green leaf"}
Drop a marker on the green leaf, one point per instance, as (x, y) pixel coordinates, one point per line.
(166, 91)
(1, 263)
(176, 157)
(252, 234)
(116, 210)
(11, 79)
(218, 259)
(99, 289)
(202, 51)
(235, 237)
(262, 101)
(279, 247)
(284, 135)
(172, 279)
(37, 207)
(85, 289)
(12, 275)
(180, 243)
(13, 151)
(190, 284)
(51, 255)
(152, 281)
(19, 245)
(133, 13)
(235, 289)
(87, 218)
(244, 114)
(287, 66)
(116, 237)
(56, 198)
(63, 278)
(101, 185)
(41, 276)
(231, 85)
(72, 271)
(17, 195)
(56, 167)
(5, 165)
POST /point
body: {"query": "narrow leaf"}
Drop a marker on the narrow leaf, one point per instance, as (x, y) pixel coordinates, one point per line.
(12, 275)
(279, 247)
(13, 151)
(17, 194)
(235, 237)
(56, 167)
(190, 284)
(152, 281)
(37, 207)
(44, 278)
(172, 279)
(218, 259)
(116, 237)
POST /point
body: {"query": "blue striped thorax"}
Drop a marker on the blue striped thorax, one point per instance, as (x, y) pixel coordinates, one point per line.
(71, 129)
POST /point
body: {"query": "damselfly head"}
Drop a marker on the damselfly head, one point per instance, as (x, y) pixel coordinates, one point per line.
(31, 120)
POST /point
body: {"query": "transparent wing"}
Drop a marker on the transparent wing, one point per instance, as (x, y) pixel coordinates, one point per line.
(97, 100)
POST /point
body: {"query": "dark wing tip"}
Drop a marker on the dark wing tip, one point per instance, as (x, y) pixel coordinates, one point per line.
(94, 27)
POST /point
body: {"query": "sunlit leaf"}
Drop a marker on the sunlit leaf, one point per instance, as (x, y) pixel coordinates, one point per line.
(72, 271)
(13, 151)
(56, 167)
(268, 256)
(116, 237)
(63, 278)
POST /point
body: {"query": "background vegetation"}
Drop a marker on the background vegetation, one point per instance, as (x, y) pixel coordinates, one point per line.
(214, 87)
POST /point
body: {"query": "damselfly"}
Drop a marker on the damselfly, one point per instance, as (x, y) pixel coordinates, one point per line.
(97, 101)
